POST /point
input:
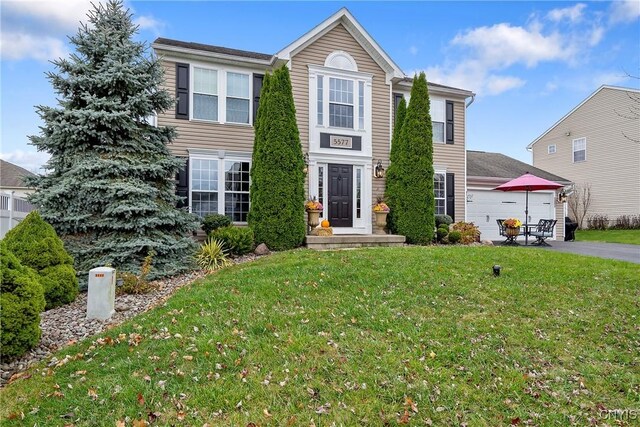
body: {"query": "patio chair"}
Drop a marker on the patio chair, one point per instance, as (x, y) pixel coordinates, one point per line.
(501, 227)
(543, 231)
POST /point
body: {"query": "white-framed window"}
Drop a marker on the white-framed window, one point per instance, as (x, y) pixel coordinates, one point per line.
(361, 105)
(238, 98)
(358, 192)
(320, 101)
(205, 94)
(321, 187)
(440, 192)
(579, 150)
(340, 103)
(437, 112)
(214, 180)
(551, 149)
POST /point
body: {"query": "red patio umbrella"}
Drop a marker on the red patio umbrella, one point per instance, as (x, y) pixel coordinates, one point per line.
(528, 182)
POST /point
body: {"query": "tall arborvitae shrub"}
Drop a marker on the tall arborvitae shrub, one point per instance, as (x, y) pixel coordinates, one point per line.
(393, 177)
(36, 245)
(110, 190)
(277, 176)
(415, 200)
(21, 301)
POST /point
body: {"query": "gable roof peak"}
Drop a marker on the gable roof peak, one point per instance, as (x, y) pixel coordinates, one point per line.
(343, 16)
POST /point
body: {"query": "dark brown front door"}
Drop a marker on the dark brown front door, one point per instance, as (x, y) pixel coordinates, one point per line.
(341, 195)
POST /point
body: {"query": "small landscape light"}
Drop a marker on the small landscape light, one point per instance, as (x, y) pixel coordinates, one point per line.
(496, 270)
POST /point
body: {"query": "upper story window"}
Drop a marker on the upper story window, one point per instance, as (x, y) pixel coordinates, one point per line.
(237, 97)
(341, 103)
(579, 150)
(437, 119)
(551, 149)
(205, 94)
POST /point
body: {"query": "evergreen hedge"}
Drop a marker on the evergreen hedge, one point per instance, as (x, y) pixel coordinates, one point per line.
(393, 176)
(414, 198)
(36, 244)
(21, 301)
(276, 215)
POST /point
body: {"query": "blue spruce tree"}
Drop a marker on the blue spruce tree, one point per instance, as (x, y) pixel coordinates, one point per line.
(110, 190)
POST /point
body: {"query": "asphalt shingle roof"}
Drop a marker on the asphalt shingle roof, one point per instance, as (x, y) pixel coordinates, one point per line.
(11, 175)
(214, 49)
(497, 165)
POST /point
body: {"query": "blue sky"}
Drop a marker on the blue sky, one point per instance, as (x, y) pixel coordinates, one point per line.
(529, 62)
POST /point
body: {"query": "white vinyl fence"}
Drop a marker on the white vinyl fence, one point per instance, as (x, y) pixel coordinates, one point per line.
(12, 210)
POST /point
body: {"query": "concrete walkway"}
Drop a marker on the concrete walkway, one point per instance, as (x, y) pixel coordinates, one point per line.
(630, 253)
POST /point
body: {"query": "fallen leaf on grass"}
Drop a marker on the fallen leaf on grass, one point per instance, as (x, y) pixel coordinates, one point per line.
(140, 399)
(120, 423)
(181, 415)
(187, 357)
(140, 423)
(266, 413)
(92, 393)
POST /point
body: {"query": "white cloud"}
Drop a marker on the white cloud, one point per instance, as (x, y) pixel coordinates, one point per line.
(624, 11)
(149, 23)
(497, 84)
(572, 14)
(55, 15)
(16, 46)
(32, 161)
(502, 45)
(413, 50)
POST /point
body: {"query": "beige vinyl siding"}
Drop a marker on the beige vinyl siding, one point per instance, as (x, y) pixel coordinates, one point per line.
(612, 165)
(339, 38)
(201, 134)
(452, 156)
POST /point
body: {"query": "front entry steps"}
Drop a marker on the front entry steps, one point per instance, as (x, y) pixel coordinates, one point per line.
(345, 241)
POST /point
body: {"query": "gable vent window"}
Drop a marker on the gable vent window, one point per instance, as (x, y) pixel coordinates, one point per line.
(579, 150)
(341, 103)
(205, 94)
(551, 149)
(237, 98)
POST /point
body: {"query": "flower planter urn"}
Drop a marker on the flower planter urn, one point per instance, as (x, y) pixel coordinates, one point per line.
(381, 222)
(512, 231)
(313, 218)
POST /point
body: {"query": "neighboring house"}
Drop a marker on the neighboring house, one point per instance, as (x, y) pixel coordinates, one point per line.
(13, 193)
(598, 144)
(485, 171)
(345, 89)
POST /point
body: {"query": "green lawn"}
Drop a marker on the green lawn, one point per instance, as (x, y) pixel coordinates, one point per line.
(362, 337)
(610, 236)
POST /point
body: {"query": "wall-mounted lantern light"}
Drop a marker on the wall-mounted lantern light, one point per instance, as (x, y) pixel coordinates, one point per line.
(378, 171)
(562, 197)
(306, 163)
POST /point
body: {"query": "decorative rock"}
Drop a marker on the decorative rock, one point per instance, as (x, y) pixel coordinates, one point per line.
(487, 242)
(262, 249)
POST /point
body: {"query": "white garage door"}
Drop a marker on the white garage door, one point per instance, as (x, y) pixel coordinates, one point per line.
(485, 206)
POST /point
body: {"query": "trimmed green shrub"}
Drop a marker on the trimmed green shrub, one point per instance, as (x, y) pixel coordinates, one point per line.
(441, 233)
(276, 214)
(454, 237)
(414, 199)
(237, 240)
(393, 175)
(36, 244)
(21, 301)
(214, 221)
(212, 255)
(443, 219)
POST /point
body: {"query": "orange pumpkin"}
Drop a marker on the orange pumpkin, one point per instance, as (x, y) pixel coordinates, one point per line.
(325, 223)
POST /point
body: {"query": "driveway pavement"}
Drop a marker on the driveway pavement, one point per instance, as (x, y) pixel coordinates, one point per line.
(630, 253)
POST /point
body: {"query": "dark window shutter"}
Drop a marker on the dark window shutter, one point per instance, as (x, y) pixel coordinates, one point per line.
(182, 91)
(257, 87)
(449, 122)
(182, 184)
(451, 200)
(397, 97)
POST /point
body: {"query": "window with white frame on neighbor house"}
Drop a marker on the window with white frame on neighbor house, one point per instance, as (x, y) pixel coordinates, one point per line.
(551, 149)
(237, 98)
(340, 103)
(206, 193)
(205, 94)
(579, 150)
(440, 193)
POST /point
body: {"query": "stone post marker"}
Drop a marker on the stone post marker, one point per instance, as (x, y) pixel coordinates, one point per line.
(101, 293)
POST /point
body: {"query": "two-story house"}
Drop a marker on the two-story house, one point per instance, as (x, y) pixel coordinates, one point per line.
(345, 88)
(597, 144)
